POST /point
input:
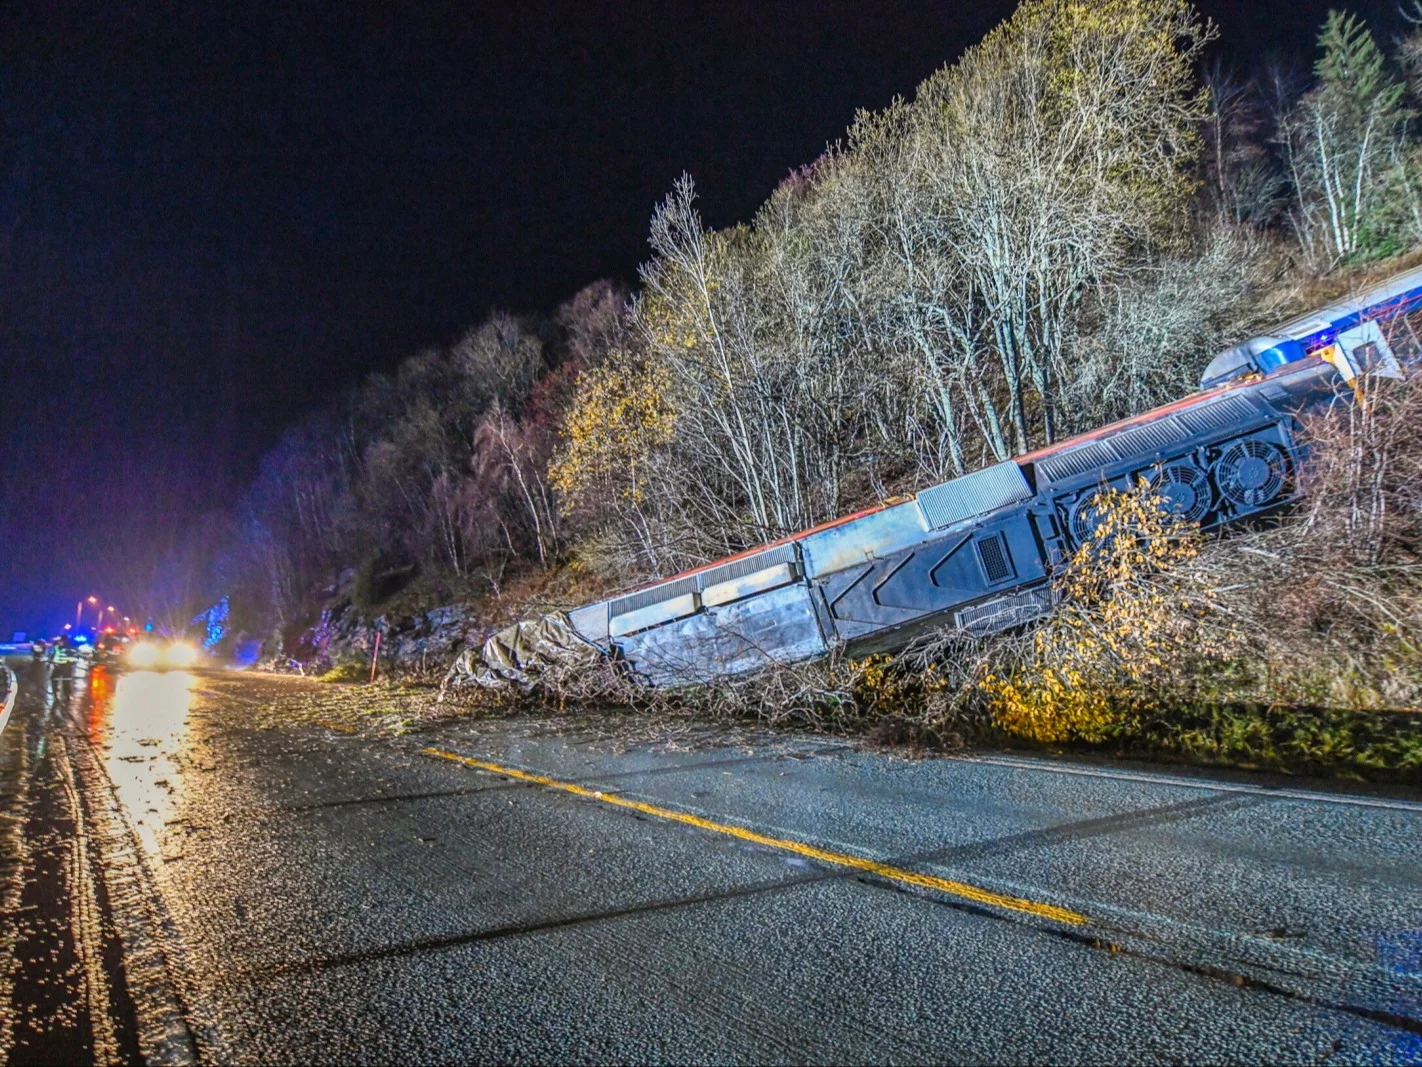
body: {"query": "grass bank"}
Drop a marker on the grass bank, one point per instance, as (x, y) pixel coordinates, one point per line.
(1374, 746)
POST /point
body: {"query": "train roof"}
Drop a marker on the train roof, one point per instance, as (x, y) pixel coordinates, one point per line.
(1344, 313)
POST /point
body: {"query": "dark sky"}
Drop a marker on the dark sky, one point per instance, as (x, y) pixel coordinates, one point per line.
(212, 214)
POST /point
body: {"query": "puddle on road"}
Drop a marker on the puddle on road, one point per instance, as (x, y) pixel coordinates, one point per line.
(139, 721)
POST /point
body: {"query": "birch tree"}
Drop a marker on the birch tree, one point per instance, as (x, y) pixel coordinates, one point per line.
(1339, 141)
(1022, 179)
(904, 309)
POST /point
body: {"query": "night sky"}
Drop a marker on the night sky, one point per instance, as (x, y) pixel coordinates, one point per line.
(212, 215)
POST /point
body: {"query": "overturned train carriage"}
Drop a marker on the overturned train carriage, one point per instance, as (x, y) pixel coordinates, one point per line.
(977, 552)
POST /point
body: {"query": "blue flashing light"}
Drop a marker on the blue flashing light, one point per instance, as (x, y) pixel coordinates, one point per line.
(215, 619)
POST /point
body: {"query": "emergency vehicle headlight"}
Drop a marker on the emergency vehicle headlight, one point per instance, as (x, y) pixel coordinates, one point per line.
(180, 655)
(143, 654)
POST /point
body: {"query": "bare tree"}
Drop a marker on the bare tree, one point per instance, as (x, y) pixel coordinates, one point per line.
(510, 463)
(1246, 185)
(1151, 329)
(1019, 182)
(904, 309)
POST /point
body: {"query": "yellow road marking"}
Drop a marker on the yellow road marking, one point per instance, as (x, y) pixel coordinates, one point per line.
(839, 859)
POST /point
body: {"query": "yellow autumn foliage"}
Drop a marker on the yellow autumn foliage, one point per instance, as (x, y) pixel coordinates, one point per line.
(621, 414)
(1126, 614)
(882, 685)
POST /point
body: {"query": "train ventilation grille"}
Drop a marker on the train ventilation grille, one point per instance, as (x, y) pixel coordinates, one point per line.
(1250, 473)
(997, 565)
(1006, 612)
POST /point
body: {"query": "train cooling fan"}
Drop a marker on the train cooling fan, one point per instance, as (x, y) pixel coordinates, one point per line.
(1184, 488)
(1086, 515)
(1250, 473)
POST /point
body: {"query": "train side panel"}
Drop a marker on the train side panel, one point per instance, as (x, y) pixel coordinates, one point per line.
(977, 552)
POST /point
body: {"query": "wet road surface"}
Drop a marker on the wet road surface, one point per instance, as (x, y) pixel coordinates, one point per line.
(517, 890)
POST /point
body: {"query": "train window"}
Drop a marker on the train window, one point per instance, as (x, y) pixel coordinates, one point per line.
(1404, 336)
(1368, 352)
(1374, 357)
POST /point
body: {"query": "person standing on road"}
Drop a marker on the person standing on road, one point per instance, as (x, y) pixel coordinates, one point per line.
(61, 667)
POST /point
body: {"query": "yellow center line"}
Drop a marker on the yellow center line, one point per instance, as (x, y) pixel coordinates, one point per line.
(824, 855)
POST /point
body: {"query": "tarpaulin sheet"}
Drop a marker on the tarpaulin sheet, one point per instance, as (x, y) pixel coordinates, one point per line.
(523, 653)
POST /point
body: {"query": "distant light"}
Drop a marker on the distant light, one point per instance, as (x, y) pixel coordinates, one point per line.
(108, 629)
(93, 600)
(81, 639)
(180, 654)
(68, 625)
(143, 654)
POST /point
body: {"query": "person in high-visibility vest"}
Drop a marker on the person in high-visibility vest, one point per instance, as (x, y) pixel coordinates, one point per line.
(61, 665)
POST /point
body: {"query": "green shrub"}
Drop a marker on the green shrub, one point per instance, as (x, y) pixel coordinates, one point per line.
(1372, 745)
(350, 671)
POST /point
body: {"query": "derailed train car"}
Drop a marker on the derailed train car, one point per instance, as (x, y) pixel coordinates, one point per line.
(977, 552)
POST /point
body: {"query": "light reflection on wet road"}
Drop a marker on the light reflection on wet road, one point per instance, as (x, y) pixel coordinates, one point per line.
(139, 721)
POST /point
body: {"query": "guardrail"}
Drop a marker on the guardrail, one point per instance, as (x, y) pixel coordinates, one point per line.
(12, 686)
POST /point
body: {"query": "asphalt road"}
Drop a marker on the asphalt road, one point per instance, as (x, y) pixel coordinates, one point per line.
(521, 890)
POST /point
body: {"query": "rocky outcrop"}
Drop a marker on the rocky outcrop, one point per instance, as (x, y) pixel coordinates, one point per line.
(421, 644)
(426, 643)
